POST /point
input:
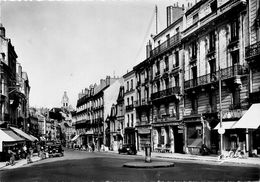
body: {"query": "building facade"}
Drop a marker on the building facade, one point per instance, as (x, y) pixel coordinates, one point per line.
(130, 135)
(93, 107)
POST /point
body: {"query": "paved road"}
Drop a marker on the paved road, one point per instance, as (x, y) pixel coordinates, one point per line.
(84, 166)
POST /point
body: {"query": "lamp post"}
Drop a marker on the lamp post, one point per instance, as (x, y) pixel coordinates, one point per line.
(221, 131)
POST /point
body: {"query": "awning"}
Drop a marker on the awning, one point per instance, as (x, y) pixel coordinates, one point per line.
(226, 125)
(22, 133)
(75, 138)
(34, 138)
(8, 136)
(250, 119)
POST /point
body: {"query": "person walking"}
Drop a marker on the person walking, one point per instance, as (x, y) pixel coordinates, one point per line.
(93, 146)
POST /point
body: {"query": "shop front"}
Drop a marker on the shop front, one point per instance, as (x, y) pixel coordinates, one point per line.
(143, 136)
(168, 137)
(243, 133)
(9, 140)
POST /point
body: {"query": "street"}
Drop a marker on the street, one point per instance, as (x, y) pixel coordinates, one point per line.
(104, 166)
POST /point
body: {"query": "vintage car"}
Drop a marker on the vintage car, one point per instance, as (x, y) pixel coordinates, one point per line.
(54, 150)
(128, 149)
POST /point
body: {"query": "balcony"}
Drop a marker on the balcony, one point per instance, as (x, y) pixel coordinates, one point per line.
(166, 45)
(142, 103)
(193, 59)
(165, 93)
(211, 53)
(253, 51)
(226, 73)
(129, 108)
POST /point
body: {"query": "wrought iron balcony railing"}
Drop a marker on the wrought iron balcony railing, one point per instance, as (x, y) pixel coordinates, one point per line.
(129, 107)
(166, 45)
(253, 50)
(165, 93)
(209, 78)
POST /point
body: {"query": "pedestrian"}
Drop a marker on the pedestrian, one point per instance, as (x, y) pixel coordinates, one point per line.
(29, 160)
(12, 157)
(93, 146)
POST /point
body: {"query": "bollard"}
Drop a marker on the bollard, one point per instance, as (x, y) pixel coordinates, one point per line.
(147, 153)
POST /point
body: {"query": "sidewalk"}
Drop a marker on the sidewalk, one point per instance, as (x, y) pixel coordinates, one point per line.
(211, 158)
(18, 163)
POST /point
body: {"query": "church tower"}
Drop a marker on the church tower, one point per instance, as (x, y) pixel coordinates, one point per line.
(65, 101)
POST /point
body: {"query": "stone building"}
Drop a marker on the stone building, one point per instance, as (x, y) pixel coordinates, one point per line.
(214, 67)
(130, 136)
(93, 107)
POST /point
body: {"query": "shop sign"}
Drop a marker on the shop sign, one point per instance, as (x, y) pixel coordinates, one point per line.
(180, 131)
(180, 127)
(238, 113)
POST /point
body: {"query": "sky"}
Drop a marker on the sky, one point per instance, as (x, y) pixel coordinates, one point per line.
(69, 45)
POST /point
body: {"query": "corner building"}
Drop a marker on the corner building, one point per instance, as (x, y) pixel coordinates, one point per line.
(213, 46)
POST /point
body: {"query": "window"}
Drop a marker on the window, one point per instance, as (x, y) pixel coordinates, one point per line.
(194, 49)
(176, 78)
(166, 83)
(176, 58)
(127, 88)
(234, 30)
(166, 59)
(214, 6)
(194, 75)
(132, 86)
(168, 40)
(212, 64)
(158, 67)
(212, 40)
(236, 98)
(128, 120)
(194, 105)
(195, 18)
(132, 119)
(235, 57)
(132, 100)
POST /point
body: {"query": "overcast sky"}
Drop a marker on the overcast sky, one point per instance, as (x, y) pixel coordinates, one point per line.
(66, 46)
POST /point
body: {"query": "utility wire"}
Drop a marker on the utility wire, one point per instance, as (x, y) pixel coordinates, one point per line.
(147, 33)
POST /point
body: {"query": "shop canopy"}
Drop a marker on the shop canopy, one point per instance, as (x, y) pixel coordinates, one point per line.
(23, 134)
(75, 138)
(251, 119)
(34, 138)
(8, 136)
(226, 125)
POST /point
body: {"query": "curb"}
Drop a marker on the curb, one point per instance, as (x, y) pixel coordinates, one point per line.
(148, 165)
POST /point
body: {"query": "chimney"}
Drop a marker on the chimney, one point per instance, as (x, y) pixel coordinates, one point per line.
(169, 10)
(107, 80)
(102, 83)
(148, 49)
(2, 30)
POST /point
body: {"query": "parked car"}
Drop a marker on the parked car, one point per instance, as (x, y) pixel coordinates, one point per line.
(128, 149)
(55, 150)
